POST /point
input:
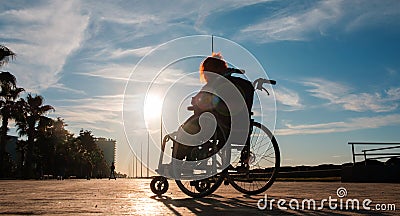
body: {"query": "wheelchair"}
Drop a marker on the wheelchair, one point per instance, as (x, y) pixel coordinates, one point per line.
(252, 166)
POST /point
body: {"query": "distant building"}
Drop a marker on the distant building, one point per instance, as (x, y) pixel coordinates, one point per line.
(108, 146)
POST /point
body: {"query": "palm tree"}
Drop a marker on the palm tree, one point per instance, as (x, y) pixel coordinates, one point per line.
(33, 111)
(5, 55)
(8, 95)
(6, 79)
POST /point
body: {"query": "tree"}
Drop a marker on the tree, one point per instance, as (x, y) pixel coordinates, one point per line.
(52, 140)
(68, 157)
(8, 89)
(31, 113)
(48, 145)
(93, 158)
(9, 93)
(45, 143)
(5, 55)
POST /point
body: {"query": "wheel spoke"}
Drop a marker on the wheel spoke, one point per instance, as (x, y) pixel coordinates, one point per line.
(262, 171)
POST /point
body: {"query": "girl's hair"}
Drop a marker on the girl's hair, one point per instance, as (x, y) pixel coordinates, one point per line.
(213, 63)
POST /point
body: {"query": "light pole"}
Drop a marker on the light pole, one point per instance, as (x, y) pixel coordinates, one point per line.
(136, 166)
(148, 149)
(133, 166)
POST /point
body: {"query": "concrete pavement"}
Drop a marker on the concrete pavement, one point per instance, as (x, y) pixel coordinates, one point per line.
(134, 197)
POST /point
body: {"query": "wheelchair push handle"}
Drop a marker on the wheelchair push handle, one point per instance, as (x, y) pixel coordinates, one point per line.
(258, 84)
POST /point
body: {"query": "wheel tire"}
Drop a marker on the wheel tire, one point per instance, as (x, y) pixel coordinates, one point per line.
(159, 185)
(202, 185)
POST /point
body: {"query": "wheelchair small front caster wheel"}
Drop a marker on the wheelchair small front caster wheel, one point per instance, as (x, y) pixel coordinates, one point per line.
(159, 185)
(202, 186)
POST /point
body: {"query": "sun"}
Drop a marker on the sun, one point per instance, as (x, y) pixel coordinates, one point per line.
(152, 106)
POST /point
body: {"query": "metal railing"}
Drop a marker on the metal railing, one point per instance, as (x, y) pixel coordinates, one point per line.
(374, 151)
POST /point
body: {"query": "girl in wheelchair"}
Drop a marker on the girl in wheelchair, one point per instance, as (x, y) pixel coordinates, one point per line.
(205, 101)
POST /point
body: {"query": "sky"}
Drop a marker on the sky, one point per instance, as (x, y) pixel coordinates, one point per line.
(336, 64)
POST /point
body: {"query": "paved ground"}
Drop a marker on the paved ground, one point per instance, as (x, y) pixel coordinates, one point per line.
(133, 197)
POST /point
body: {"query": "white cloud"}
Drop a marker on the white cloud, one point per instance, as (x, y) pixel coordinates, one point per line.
(294, 23)
(394, 93)
(64, 88)
(391, 71)
(351, 124)
(372, 13)
(339, 94)
(288, 98)
(101, 113)
(144, 74)
(107, 53)
(297, 22)
(206, 9)
(139, 52)
(45, 36)
(111, 71)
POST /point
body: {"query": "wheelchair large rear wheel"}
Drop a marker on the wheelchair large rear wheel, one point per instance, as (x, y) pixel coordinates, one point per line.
(262, 166)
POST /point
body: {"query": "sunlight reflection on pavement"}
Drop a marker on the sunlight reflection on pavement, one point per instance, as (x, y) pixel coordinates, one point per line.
(133, 197)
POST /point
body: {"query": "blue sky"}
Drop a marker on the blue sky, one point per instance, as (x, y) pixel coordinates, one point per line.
(336, 63)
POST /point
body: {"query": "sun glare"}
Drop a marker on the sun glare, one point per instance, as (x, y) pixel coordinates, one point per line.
(152, 106)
